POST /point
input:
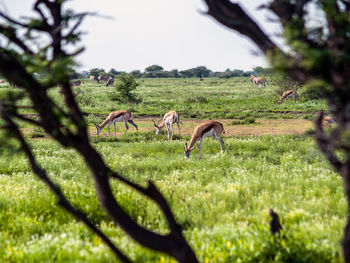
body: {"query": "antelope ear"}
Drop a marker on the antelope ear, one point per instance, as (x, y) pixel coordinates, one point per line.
(185, 145)
(193, 148)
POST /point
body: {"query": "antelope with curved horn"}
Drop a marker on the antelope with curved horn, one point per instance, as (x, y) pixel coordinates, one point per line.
(289, 94)
(116, 116)
(209, 128)
(168, 121)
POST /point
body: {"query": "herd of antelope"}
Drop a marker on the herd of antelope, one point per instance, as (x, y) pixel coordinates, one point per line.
(206, 129)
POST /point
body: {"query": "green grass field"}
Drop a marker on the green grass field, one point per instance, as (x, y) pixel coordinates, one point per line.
(234, 98)
(221, 201)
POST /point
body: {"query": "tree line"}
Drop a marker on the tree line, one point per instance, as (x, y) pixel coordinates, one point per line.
(156, 71)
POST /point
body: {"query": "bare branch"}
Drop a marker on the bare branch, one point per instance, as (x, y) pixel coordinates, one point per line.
(173, 244)
(80, 18)
(347, 5)
(62, 201)
(13, 21)
(77, 52)
(153, 193)
(10, 33)
(40, 12)
(23, 118)
(234, 17)
(285, 10)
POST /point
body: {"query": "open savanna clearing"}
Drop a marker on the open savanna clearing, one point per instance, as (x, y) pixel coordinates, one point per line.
(221, 201)
(260, 127)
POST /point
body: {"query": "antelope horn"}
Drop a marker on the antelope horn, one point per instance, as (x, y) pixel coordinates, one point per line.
(154, 123)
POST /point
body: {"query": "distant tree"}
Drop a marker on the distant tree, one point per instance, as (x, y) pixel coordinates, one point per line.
(114, 73)
(97, 72)
(316, 51)
(247, 73)
(163, 74)
(215, 74)
(136, 73)
(201, 72)
(84, 74)
(262, 71)
(224, 75)
(236, 73)
(175, 73)
(188, 73)
(74, 74)
(153, 69)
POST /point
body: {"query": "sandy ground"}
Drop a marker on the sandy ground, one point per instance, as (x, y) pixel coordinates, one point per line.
(261, 127)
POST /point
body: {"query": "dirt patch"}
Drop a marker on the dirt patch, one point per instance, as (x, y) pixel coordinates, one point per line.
(260, 127)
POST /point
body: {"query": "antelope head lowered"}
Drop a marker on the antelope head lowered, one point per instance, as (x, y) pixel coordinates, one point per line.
(188, 151)
(157, 127)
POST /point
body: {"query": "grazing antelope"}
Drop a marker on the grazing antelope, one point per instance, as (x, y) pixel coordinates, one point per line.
(328, 120)
(289, 94)
(93, 78)
(258, 80)
(120, 116)
(168, 121)
(209, 128)
(103, 78)
(110, 82)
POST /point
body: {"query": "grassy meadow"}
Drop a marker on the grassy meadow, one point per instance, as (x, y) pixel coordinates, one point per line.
(234, 98)
(221, 201)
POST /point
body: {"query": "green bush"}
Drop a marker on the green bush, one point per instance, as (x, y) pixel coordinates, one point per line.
(124, 89)
(285, 83)
(313, 90)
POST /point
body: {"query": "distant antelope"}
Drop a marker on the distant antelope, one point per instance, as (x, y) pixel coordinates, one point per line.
(103, 78)
(168, 121)
(93, 78)
(209, 128)
(76, 83)
(289, 94)
(110, 82)
(328, 120)
(116, 116)
(258, 80)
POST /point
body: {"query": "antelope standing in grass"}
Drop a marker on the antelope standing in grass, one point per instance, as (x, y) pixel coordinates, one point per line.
(289, 94)
(206, 129)
(258, 80)
(168, 121)
(117, 116)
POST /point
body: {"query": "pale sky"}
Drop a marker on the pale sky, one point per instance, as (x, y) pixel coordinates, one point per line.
(171, 33)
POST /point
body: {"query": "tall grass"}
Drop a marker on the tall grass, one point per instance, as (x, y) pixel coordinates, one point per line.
(221, 201)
